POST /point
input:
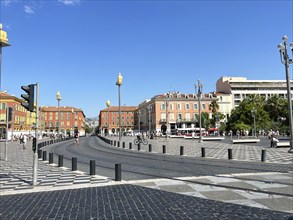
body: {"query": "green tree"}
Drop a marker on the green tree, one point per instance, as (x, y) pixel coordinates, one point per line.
(87, 129)
(276, 107)
(205, 121)
(214, 106)
(241, 117)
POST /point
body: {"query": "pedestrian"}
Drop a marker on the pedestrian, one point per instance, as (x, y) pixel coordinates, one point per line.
(20, 138)
(274, 141)
(24, 140)
(76, 138)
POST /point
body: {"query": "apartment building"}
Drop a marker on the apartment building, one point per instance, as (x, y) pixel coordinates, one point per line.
(109, 119)
(174, 109)
(240, 87)
(22, 120)
(70, 119)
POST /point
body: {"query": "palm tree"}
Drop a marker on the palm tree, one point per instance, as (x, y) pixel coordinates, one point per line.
(214, 106)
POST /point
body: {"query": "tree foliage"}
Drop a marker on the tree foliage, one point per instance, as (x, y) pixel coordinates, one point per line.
(269, 114)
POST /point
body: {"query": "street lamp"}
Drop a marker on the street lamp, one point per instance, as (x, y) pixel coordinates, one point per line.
(167, 100)
(108, 105)
(199, 92)
(73, 120)
(253, 112)
(58, 97)
(119, 83)
(285, 59)
(3, 43)
(138, 112)
(150, 110)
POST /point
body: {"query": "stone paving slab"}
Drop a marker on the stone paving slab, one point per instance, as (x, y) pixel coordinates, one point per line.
(214, 149)
(126, 202)
(256, 193)
(16, 178)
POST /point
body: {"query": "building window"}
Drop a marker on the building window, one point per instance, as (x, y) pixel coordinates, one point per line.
(163, 106)
(171, 116)
(179, 106)
(179, 116)
(187, 116)
(3, 106)
(171, 107)
(187, 106)
(203, 106)
(194, 106)
(236, 96)
(163, 116)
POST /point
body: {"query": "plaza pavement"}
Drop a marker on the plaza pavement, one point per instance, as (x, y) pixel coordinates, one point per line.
(272, 192)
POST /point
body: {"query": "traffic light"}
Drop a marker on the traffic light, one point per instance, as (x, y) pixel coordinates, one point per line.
(34, 146)
(29, 97)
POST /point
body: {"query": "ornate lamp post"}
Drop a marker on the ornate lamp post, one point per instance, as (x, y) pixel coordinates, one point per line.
(253, 112)
(73, 121)
(138, 112)
(119, 83)
(58, 97)
(108, 103)
(199, 86)
(167, 103)
(285, 59)
(3, 43)
(150, 111)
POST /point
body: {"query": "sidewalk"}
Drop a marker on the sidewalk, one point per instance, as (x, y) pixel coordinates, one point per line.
(214, 149)
(272, 190)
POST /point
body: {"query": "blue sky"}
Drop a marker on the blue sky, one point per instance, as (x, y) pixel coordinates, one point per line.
(79, 47)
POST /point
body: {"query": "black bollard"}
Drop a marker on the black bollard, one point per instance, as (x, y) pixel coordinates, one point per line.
(130, 146)
(51, 158)
(44, 155)
(118, 143)
(74, 164)
(40, 154)
(263, 155)
(123, 144)
(203, 152)
(60, 161)
(138, 147)
(92, 167)
(230, 154)
(118, 172)
(150, 147)
(114, 143)
(164, 149)
(181, 150)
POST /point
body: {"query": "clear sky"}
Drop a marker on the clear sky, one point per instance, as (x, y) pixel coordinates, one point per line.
(78, 47)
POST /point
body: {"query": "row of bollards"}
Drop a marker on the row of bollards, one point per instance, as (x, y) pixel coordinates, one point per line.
(118, 170)
(164, 150)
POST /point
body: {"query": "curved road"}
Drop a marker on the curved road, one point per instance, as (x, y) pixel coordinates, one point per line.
(144, 165)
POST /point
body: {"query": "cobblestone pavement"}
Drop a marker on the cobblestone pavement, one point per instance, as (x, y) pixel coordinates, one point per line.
(215, 149)
(64, 194)
(124, 202)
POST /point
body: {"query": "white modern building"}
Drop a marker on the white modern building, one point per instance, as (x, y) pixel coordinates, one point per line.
(241, 87)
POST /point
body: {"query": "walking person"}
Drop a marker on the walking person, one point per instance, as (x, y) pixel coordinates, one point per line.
(24, 140)
(21, 139)
(274, 141)
(76, 138)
